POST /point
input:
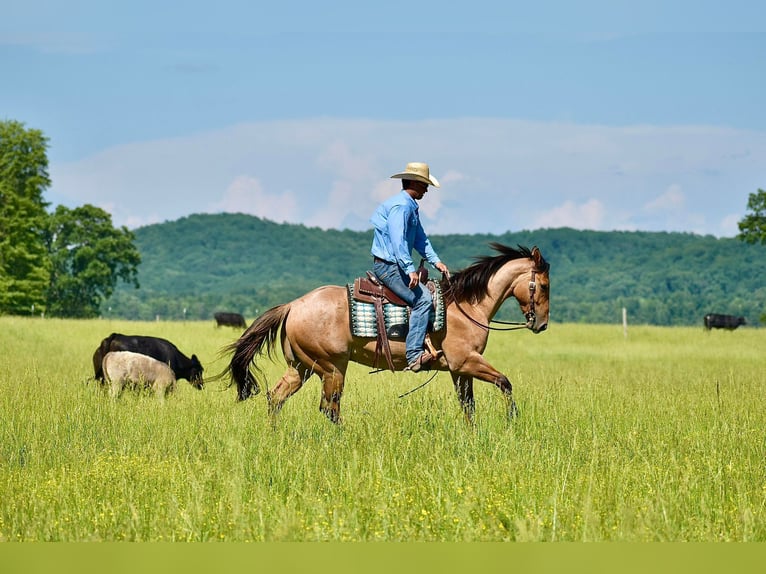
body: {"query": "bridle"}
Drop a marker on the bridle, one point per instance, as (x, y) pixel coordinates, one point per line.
(530, 315)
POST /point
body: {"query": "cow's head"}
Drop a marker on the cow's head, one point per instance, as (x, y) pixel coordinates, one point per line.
(195, 373)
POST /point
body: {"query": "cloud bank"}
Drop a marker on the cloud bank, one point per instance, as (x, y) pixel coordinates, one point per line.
(497, 175)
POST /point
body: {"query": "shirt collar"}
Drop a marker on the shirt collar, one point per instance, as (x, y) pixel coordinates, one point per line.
(409, 199)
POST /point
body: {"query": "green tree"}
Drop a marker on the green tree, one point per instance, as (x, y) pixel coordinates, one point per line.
(88, 257)
(752, 229)
(23, 179)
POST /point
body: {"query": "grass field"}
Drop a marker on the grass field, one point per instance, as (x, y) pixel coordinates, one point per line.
(655, 437)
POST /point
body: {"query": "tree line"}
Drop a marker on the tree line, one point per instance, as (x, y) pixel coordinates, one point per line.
(204, 263)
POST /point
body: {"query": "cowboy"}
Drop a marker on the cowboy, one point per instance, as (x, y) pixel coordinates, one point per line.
(397, 231)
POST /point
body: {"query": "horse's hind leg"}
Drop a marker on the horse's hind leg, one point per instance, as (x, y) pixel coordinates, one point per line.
(333, 379)
(288, 385)
(464, 389)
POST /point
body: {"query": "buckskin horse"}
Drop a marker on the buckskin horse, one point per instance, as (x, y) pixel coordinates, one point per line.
(316, 334)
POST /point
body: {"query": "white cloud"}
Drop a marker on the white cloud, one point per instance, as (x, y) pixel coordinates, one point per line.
(385, 189)
(672, 199)
(246, 195)
(496, 174)
(588, 215)
(728, 226)
(451, 176)
(133, 221)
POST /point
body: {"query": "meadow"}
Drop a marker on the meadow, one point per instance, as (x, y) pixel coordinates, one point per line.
(657, 436)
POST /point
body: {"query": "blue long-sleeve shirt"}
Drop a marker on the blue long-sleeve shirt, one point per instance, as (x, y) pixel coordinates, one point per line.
(397, 231)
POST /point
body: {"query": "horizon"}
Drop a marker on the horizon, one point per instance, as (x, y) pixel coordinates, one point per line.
(369, 230)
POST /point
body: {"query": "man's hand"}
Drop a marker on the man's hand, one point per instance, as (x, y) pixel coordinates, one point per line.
(414, 279)
(443, 268)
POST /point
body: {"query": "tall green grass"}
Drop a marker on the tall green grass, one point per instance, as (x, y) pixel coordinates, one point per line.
(655, 437)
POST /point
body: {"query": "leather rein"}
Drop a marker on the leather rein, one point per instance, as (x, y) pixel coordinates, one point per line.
(529, 315)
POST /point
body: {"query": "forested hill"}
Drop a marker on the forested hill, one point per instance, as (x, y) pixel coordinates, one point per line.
(199, 264)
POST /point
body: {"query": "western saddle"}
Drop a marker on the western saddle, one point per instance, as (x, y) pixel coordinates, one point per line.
(370, 289)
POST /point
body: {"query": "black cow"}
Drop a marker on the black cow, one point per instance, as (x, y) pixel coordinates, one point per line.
(229, 320)
(717, 321)
(161, 349)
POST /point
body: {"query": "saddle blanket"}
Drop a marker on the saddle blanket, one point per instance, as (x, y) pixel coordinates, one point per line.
(396, 317)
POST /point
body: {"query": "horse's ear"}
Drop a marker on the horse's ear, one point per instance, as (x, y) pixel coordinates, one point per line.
(538, 258)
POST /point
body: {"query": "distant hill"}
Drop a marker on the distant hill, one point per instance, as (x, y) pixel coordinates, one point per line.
(199, 264)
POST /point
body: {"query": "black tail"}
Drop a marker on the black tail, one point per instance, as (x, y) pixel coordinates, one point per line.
(262, 332)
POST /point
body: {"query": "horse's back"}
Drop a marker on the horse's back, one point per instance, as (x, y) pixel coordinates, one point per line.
(327, 302)
(320, 318)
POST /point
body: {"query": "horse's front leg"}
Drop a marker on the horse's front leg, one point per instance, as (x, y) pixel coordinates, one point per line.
(464, 389)
(477, 366)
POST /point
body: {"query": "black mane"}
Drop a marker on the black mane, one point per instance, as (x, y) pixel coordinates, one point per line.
(470, 284)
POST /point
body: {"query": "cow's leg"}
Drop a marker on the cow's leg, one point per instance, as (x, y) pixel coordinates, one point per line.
(163, 388)
(464, 389)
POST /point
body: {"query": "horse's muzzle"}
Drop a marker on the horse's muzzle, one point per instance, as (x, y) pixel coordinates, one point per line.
(537, 329)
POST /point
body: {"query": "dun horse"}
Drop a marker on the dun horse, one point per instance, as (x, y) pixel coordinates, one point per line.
(316, 335)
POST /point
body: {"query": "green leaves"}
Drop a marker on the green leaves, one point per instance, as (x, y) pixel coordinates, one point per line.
(65, 263)
(23, 178)
(88, 256)
(753, 227)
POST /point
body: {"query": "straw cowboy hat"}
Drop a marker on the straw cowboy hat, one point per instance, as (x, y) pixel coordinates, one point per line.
(419, 172)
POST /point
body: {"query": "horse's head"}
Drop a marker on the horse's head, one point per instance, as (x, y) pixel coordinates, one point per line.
(521, 273)
(534, 302)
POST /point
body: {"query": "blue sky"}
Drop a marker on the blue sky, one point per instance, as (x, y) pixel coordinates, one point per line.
(594, 115)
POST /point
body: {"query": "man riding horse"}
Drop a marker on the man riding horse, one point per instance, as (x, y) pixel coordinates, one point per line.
(315, 331)
(397, 231)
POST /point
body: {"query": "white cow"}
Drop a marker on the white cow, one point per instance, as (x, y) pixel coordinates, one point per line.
(123, 368)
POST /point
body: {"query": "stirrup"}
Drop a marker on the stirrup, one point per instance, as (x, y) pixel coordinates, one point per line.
(421, 363)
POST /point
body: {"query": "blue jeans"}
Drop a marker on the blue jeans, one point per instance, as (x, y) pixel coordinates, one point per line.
(419, 299)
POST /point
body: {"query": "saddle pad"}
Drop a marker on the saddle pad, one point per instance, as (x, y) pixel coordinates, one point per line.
(363, 314)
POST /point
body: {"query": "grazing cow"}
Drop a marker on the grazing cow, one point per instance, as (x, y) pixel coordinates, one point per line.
(717, 321)
(161, 349)
(126, 368)
(230, 320)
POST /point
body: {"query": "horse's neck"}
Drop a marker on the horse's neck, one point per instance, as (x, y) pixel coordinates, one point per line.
(503, 284)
